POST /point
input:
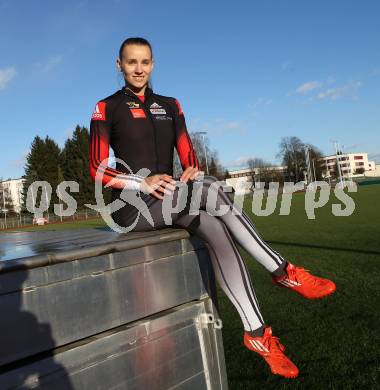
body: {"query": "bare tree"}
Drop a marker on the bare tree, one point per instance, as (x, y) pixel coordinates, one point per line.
(177, 169)
(257, 167)
(293, 156)
(214, 166)
(292, 153)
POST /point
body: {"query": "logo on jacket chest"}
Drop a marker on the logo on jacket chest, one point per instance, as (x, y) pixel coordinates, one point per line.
(156, 109)
(136, 110)
(133, 105)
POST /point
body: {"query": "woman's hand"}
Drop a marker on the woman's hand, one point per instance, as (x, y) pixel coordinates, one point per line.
(190, 173)
(157, 184)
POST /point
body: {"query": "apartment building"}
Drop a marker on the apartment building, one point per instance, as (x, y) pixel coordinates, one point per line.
(11, 194)
(351, 164)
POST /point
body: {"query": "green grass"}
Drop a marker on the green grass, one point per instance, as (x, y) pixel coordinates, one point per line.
(333, 341)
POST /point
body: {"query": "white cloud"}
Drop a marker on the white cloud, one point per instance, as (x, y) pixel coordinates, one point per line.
(353, 146)
(340, 92)
(308, 87)
(49, 64)
(217, 126)
(6, 75)
(348, 91)
(232, 125)
(260, 102)
(225, 126)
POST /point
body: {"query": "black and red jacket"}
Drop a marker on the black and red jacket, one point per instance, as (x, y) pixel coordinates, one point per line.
(141, 133)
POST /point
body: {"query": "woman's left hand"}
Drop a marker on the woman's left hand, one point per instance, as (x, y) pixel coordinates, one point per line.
(190, 173)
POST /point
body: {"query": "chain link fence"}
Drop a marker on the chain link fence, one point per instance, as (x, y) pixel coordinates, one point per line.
(26, 219)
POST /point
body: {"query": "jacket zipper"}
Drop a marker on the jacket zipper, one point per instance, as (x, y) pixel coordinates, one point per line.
(147, 111)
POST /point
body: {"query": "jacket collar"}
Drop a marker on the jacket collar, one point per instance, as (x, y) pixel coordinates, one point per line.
(127, 91)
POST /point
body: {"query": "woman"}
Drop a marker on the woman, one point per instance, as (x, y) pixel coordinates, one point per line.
(143, 128)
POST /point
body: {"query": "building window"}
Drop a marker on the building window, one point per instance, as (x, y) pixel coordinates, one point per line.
(358, 157)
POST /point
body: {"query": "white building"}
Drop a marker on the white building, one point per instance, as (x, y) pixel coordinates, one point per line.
(350, 164)
(374, 172)
(246, 173)
(11, 194)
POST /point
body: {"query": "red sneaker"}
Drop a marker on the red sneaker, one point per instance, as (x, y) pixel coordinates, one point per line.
(270, 348)
(304, 283)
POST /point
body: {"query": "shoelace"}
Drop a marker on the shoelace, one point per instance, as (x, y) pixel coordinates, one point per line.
(302, 275)
(272, 343)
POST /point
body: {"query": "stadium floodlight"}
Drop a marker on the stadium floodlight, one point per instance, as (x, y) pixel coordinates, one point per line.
(308, 165)
(349, 163)
(335, 143)
(202, 133)
(47, 203)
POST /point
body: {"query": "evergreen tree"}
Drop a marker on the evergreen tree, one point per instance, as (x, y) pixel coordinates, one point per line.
(32, 167)
(42, 163)
(74, 161)
(52, 163)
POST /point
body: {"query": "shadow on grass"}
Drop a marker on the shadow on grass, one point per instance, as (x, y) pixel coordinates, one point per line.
(330, 248)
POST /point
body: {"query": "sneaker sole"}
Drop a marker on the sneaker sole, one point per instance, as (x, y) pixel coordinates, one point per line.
(283, 375)
(270, 368)
(311, 298)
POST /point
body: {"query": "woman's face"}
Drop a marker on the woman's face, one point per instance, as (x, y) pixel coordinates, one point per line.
(137, 65)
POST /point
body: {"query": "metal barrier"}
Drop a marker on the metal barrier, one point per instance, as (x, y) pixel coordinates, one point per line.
(92, 309)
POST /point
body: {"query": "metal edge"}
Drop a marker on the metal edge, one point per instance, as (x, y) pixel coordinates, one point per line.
(120, 244)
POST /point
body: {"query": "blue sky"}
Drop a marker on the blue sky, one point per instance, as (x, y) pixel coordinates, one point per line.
(247, 72)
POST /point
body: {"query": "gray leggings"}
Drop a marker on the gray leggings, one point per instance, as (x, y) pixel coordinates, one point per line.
(219, 232)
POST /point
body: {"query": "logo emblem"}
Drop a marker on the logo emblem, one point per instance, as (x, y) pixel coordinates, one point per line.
(133, 105)
(157, 111)
(138, 113)
(99, 113)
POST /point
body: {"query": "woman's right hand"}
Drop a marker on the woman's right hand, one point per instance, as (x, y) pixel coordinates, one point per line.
(158, 184)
